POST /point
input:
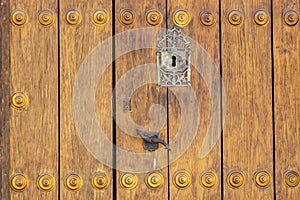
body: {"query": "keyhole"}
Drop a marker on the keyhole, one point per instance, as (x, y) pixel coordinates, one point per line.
(173, 61)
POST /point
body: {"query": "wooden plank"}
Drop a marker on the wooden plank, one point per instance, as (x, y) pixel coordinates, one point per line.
(207, 37)
(34, 71)
(247, 77)
(142, 99)
(76, 45)
(286, 96)
(4, 97)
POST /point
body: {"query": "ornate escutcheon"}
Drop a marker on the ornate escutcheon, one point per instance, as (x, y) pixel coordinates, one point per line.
(235, 17)
(19, 100)
(46, 17)
(129, 181)
(181, 18)
(73, 182)
(153, 17)
(46, 182)
(100, 181)
(208, 179)
(73, 17)
(173, 59)
(208, 17)
(235, 179)
(100, 17)
(127, 16)
(261, 17)
(291, 17)
(154, 180)
(18, 17)
(292, 179)
(262, 179)
(18, 182)
(182, 179)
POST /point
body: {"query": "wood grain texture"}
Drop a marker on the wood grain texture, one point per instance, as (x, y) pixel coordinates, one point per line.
(287, 97)
(208, 39)
(34, 71)
(142, 99)
(247, 77)
(76, 44)
(4, 99)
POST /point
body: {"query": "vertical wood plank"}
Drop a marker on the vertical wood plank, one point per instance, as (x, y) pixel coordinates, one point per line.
(4, 98)
(247, 77)
(76, 45)
(207, 37)
(34, 71)
(142, 99)
(287, 96)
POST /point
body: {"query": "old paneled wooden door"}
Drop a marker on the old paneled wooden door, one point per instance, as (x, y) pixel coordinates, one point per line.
(79, 81)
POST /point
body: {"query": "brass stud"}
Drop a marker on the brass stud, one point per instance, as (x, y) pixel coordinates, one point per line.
(154, 180)
(100, 181)
(18, 17)
(46, 182)
(46, 17)
(261, 17)
(100, 17)
(129, 181)
(181, 18)
(207, 17)
(182, 179)
(208, 179)
(153, 17)
(73, 17)
(262, 179)
(291, 17)
(19, 100)
(127, 16)
(73, 182)
(235, 179)
(235, 17)
(292, 179)
(18, 182)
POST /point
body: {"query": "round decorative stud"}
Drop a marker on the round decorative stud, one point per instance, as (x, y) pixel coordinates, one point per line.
(73, 182)
(100, 181)
(181, 18)
(182, 179)
(19, 100)
(153, 17)
(18, 17)
(235, 17)
(208, 179)
(127, 16)
(46, 182)
(128, 181)
(261, 17)
(100, 17)
(207, 18)
(235, 179)
(262, 179)
(46, 18)
(73, 17)
(291, 17)
(292, 179)
(18, 182)
(154, 180)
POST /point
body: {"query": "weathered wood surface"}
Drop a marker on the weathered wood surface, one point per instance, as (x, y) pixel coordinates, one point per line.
(286, 97)
(4, 99)
(76, 45)
(207, 37)
(247, 78)
(33, 147)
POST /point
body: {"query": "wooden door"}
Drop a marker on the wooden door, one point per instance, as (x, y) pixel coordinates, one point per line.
(79, 87)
